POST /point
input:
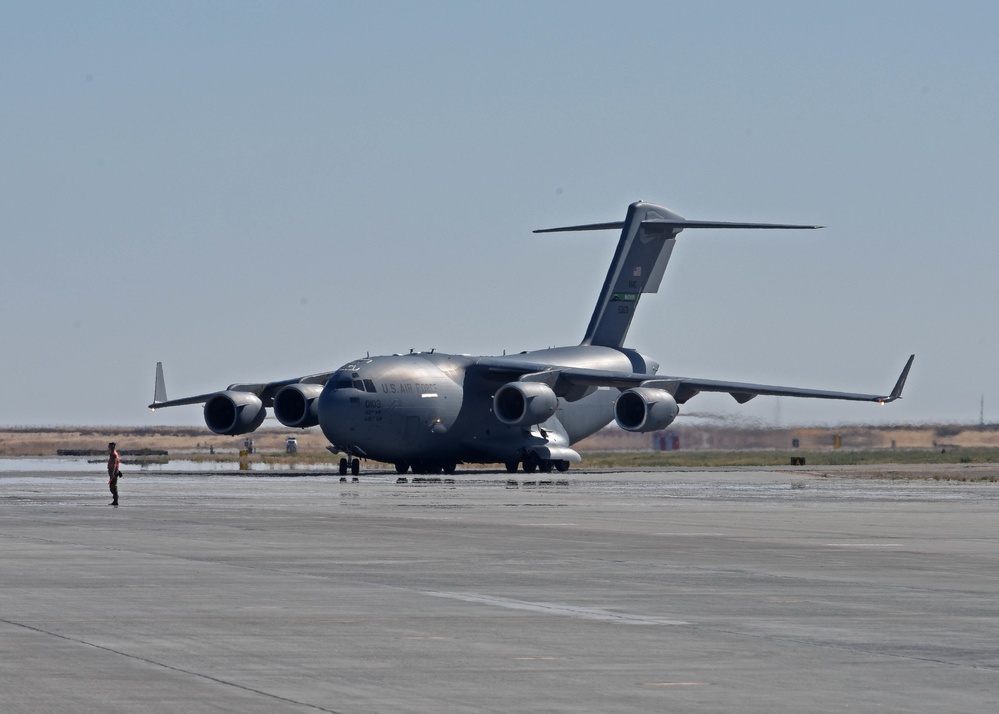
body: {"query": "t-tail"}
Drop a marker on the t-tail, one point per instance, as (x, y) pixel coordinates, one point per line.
(648, 234)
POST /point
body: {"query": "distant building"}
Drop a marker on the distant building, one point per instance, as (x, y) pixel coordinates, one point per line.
(665, 441)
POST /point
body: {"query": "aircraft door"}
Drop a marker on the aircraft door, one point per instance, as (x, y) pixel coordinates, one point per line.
(356, 419)
(414, 426)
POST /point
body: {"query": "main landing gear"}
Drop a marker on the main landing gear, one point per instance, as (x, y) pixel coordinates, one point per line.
(532, 463)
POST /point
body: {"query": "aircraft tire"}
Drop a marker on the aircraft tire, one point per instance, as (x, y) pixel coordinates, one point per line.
(530, 466)
(450, 467)
(562, 465)
(355, 467)
(545, 466)
(343, 467)
(401, 467)
(511, 467)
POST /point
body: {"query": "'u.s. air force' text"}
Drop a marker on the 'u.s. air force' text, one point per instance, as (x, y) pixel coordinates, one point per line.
(408, 388)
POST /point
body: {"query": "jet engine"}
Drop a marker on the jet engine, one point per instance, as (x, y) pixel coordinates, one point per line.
(297, 405)
(645, 409)
(231, 413)
(524, 403)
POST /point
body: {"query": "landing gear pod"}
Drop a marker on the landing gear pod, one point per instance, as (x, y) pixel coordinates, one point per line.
(231, 413)
(524, 403)
(645, 409)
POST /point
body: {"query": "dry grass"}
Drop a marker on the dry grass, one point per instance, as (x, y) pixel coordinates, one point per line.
(765, 458)
(175, 440)
(965, 453)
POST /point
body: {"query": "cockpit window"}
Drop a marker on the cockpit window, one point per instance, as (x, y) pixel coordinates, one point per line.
(345, 379)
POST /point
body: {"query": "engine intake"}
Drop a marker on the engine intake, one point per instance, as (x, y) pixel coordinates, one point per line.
(231, 413)
(297, 405)
(524, 403)
(645, 409)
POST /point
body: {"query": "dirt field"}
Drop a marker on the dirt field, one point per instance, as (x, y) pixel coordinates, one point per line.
(722, 438)
(194, 440)
(175, 440)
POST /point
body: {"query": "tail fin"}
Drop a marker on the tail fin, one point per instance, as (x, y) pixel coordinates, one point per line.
(159, 391)
(648, 234)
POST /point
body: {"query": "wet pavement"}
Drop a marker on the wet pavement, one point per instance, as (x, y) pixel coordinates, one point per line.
(701, 590)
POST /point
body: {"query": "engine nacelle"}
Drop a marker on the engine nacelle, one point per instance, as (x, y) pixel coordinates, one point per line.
(231, 413)
(297, 405)
(645, 409)
(524, 403)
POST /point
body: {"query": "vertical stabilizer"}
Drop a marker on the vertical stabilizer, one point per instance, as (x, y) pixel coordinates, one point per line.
(638, 266)
(648, 235)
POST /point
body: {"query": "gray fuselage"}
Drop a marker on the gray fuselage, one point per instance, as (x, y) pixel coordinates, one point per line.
(439, 407)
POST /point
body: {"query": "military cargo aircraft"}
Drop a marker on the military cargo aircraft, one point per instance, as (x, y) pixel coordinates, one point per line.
(428, 412)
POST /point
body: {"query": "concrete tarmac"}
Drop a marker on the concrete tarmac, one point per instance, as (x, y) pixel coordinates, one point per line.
(692, 591)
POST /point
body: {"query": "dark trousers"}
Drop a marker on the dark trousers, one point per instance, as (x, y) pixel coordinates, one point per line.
(113, 485)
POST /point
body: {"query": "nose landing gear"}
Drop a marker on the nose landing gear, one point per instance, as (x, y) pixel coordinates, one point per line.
(353, 464)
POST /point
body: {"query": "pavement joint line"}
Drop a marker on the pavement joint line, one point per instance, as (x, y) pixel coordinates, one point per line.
(172, 668)
(624, 618)
(589, 613)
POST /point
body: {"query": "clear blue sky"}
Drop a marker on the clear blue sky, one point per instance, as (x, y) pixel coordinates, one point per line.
(254, 191)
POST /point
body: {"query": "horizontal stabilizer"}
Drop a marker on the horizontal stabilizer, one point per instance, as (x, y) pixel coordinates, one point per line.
(724, 224)
(677, 224)
(612, 226)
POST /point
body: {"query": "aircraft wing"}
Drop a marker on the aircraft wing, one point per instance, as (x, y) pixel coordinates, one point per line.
(265, 390)
(562, 379)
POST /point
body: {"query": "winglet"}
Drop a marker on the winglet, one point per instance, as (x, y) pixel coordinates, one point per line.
(896, 393)
(159, 390)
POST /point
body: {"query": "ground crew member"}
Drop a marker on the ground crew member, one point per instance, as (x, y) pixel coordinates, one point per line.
(114, 472)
